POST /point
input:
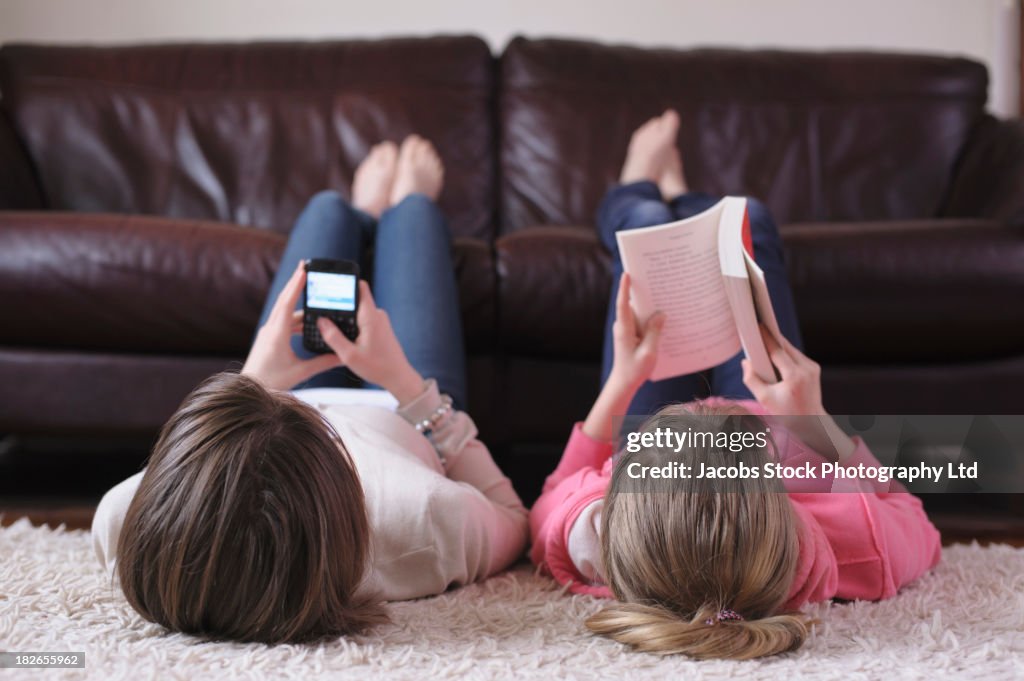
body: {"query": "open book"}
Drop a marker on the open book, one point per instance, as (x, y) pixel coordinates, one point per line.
(700, 272)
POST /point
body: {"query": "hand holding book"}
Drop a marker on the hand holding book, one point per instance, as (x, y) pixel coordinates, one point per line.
(636, 351)
(798, 395)
(799, 391)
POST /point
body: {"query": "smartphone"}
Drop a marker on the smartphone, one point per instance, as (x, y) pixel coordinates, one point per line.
(332, 291)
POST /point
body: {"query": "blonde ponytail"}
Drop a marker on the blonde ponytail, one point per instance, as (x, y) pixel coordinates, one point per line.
(653, 629)
(700, 567)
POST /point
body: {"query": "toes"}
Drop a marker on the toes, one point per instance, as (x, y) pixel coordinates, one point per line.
(426, 150)
(433, 157)
(650, 130)
(388, 150)
(670, 121)
(420, 152)
(389, 156)
(411, 142)
(380, 156)
(408, 150)
(644, 128)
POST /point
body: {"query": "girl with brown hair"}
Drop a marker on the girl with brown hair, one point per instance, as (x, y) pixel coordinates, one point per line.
(714, 567)
(262, 517)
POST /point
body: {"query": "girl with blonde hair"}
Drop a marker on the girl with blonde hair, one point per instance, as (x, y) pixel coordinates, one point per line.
(714, 567)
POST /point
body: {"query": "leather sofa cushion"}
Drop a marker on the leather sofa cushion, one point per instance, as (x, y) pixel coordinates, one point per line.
(18, 188)
(886, 293)
(904, 292)
(117, 283)
(989, 180)
(817, 137)
(56, 392)
(247, 133)
(913, 292)
(553, 284)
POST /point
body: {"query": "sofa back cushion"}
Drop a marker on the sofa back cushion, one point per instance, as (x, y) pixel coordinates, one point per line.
(247, 133)
(817, 136)
(18, 187)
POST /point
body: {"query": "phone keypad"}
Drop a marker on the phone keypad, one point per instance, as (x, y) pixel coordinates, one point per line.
(314, 342)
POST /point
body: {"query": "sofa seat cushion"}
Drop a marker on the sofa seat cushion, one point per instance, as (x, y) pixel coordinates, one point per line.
(57, 392)
(908, 292)
(119, 283)
(881, 293)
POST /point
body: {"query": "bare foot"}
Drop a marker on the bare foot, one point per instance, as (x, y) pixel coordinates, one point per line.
(649, 148)
(420, 170)
(374, 179)
(672, 182)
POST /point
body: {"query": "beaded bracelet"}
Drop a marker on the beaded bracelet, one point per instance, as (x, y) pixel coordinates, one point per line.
(429, 424)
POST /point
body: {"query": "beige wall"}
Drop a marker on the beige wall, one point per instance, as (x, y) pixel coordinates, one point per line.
(986, 30)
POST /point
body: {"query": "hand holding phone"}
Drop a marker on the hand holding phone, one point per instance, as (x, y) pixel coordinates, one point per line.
(377, 355)
(272, 361)
(331, 291)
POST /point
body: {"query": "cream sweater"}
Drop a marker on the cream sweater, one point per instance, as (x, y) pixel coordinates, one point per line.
(432, 526)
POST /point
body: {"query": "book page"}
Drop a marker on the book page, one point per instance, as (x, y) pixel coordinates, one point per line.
(674, 269)
(746, 289)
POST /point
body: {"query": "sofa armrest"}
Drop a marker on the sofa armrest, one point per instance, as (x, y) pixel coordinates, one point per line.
(18, 187)
(989, 179)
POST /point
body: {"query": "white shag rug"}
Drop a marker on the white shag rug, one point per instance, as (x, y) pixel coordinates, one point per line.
(964, 620)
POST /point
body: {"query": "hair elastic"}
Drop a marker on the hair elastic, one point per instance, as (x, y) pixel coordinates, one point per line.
(724, 614)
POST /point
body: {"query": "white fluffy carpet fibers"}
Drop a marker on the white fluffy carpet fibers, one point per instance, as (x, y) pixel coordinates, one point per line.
(965, 620)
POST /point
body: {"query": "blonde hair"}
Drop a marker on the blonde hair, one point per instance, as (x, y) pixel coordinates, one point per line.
(679, 552)
(249, 523)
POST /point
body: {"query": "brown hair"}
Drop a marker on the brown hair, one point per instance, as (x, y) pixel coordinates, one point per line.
(249, 523)
(678, 552)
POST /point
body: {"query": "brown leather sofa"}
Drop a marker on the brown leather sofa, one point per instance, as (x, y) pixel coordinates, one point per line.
(145, 195)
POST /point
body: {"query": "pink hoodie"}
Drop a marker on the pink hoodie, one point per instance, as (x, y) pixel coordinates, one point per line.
(853, 545)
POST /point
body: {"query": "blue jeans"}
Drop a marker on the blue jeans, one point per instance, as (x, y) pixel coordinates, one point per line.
(640, 205)
(412, 275)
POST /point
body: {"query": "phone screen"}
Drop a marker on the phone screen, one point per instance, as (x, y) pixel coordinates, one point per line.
(331, 291)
